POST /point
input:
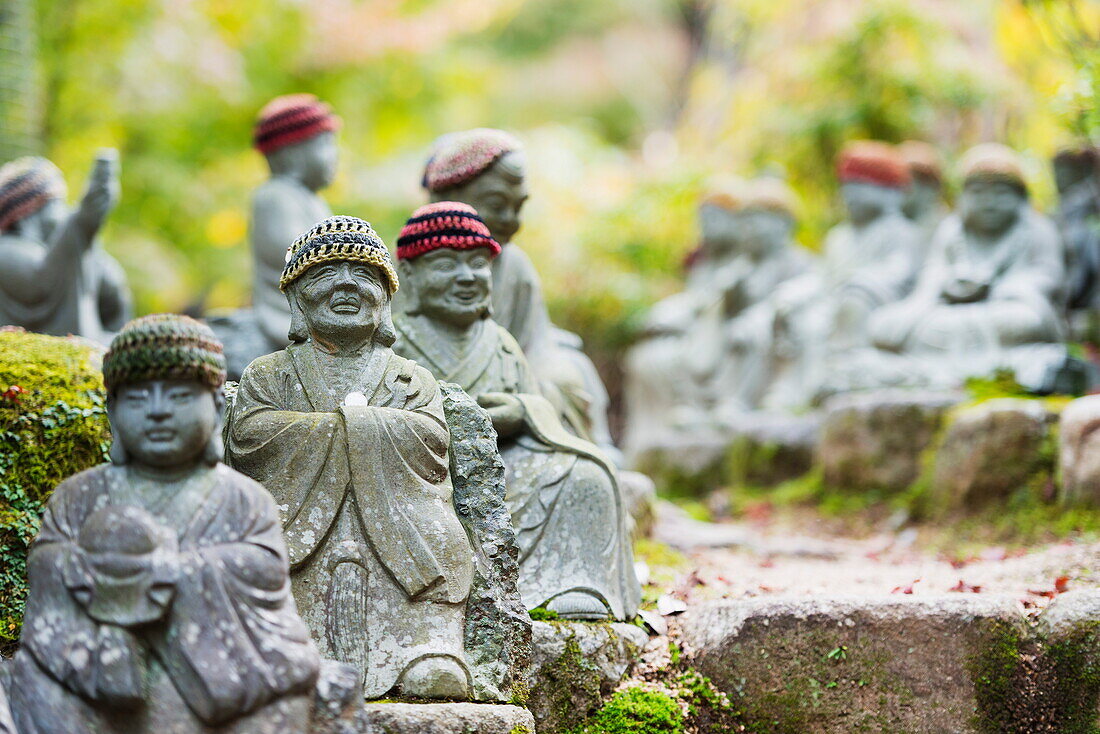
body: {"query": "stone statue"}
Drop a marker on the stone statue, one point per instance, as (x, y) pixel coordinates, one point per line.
(54, 277)
(1077, 176)
(352, 441)
(924, 197)
(993, 287)
(693, 358)
(486, 169)
(296, 133)
(159, 591)
(563, 495)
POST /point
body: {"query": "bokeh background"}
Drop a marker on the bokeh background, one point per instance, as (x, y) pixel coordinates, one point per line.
(626, 106)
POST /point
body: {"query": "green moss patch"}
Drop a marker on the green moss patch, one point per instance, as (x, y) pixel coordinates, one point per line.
(53, 424)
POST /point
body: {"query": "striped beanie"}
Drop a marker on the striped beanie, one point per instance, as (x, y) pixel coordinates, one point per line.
(338, 239)
(444, 224)
(291, 119)
(459, 157)
(164, 346)
(26, 185)
(993, 161)
(874, 162)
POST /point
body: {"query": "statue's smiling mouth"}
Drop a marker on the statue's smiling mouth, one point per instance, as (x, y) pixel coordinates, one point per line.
(160, 434)
(345, 304)
(467, 297)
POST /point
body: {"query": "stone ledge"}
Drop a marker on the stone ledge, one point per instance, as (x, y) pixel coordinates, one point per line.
(441, 718)
(842, 664)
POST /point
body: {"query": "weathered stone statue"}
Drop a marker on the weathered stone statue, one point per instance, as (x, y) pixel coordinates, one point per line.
(352, 441)
(696, 357)
(1077, 176)
(924, 197)
(54, 277)
(159, 591)
(296, 133)
(486, 169)
(563, 495)
(993, 286)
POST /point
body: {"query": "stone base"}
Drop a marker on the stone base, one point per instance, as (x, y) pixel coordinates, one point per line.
(575, 665)
(766, 449)
(441, 718)
(838, 665)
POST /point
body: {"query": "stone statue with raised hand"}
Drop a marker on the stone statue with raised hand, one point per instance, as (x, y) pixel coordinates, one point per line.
(54, 278)
(159, 589)
(353, 442)
(563, 493)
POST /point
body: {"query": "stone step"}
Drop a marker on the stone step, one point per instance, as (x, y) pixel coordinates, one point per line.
(440, 718)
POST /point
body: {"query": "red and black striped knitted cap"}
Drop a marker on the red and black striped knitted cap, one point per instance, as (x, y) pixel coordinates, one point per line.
(291, 119)
(448, 224)
(26, 185)
(872, 161)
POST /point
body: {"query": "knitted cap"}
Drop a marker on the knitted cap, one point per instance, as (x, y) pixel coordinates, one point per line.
(874, 162)
(993, 161)
(922, 159)
(164, 346)
(444, 224)
(291, 119)
(26, 185)
(724, 191)
(338, 239)
(459, 157)
(770, 194)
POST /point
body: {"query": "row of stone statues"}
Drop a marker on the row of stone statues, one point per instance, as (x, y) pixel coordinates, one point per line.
(902, 295)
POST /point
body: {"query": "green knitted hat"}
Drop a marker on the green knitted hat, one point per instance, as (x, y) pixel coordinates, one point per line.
(164, 346)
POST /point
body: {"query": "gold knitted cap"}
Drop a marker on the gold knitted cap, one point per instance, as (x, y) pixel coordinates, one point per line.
(338, 239)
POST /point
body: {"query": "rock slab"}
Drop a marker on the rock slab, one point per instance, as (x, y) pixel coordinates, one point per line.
(769, 448)
(833, 665)
(875, 440)
(575, 665)
(442, 718)
(991, 450)
(1079, 451)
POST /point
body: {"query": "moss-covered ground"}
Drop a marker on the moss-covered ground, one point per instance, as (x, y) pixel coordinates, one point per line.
(52, 424)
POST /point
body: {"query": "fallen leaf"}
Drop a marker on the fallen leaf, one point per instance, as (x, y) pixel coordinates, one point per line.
(668, 605)
(965, 588)
(654, 621)
(1061, 584)
(907, 589)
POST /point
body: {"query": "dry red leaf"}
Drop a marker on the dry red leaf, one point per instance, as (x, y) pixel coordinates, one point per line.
(1061, 584)
(907, 589)
(12, 393)
(964, 588)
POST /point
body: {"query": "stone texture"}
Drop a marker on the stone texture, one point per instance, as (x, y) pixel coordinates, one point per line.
(770, 448)
(1068, 629)
(1079, 451)
(337, 697)
(442, 718)
(991, 450)
(639, 498)
(912, 664)
(498, 628)
(874, 440)
(574, 665)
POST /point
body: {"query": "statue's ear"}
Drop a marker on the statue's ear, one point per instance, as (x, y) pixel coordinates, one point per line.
(298, 331)
(386, 334)
(215, 447)
(410, 298)
(117, 452)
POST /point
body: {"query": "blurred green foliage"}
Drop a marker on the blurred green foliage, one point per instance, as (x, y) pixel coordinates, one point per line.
(626, 106)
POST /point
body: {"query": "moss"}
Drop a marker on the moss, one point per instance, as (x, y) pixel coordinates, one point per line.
(52, 424)
(542, 614)
(1074, 666)
(636, 710)
(570, 686)
(521, 729)
(995, 674)
(675, 482)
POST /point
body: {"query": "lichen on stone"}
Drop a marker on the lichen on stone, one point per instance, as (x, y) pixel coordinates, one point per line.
(53, 423)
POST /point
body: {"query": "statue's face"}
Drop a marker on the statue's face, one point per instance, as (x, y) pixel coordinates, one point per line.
(766, 231)
(341, 301)
(1069, 173)
(165, 424)
(721, 229)
(920, 197)
(453, 286)
(498, 195)
(866, 202)
(319, 159)
(989, 205)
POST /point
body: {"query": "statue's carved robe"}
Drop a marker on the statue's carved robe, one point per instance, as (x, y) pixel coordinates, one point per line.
(563, 493)
(381, 565)
(231, 644)
(567, 377)
(85, 293)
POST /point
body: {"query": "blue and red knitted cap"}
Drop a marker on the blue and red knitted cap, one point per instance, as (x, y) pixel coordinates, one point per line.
(292, 118)
(449, 224)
